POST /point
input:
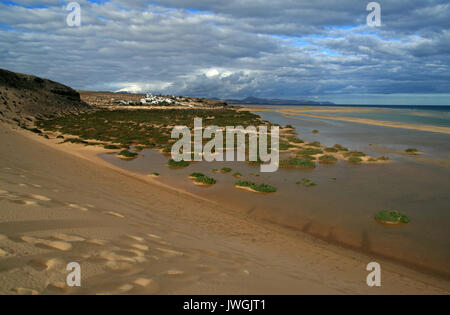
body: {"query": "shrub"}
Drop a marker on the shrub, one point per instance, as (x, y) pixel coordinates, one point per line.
(35, 130)
(111, 147)
(331, 150)
(309, 151)
(355, 159)
(264, 188)
(340, 147)
(314, 144)
(205, 180)
(306, 182)
(76, 140)
(392, 217)
(226, 170)
(315, 131)
(411, 150)
(173, 163)
(256, 187)
(295, 139)
(355, 154)
(127, 154)
(196, 175)
(155, 174)
(284, 146)
(327, 159)
(296, 162)
(237, 175)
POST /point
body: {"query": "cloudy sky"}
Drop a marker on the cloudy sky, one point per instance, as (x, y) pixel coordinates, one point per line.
(292, 49)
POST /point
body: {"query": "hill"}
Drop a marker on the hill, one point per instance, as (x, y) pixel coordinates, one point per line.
(26, 97)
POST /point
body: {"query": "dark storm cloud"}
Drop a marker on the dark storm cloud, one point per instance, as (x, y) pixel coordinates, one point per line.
(287, 48)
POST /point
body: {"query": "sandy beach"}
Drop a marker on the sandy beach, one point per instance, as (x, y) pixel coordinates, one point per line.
(131, 234)
(319, 113)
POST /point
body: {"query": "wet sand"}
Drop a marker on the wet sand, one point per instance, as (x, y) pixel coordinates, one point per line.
(131, 234)
(306, 112)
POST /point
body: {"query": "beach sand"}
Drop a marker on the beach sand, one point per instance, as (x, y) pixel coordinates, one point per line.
(318, 113)
(61, 203)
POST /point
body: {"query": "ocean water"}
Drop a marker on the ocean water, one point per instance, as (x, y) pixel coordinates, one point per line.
(408, 116)
(341, 208)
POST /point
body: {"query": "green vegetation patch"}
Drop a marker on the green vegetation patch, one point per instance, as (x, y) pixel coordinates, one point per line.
(309, 151)
(173, 163)
(314, 144)
(225, 170)
(295, 139)
(237, 175)
(196, 175)
(111, 147)
(205, 180)
(127, 154)
(391, 217)
(298, 163)
(75, 140)
(256, 187)
(327, 159)
(331, 150)
(315, 131)
(306, 182)
(411, 150)
(144, 127)
(340, 147)
(355, 154)
(354, 159)
(284, 146)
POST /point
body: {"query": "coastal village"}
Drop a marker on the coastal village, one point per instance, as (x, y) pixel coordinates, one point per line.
(110, 100)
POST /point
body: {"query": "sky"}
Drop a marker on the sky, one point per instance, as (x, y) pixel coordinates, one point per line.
(289, 49)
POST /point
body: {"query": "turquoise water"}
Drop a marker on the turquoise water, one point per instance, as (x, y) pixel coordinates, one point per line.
(409, 116)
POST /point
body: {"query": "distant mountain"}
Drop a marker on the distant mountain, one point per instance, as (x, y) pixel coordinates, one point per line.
(274, 101)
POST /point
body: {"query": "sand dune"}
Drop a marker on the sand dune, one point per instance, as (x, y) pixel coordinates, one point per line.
(62, 204)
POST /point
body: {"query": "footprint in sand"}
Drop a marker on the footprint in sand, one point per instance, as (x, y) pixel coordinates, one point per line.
(3, 253)
(206, 269)
(45, 263)
(169, 252)
(136, 238)
(60, 245)
(140, 247)
(97, 242)
(25, 291)
(76, 206)
(40, 197)
(154, 236)
(150, 285)
(115, 214)
(59, 287)
(180, 275)
(67, 238)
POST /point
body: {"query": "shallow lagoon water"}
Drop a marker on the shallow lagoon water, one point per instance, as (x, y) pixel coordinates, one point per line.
(341, 208)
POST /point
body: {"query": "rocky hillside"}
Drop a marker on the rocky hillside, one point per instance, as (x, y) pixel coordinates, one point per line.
(25, 97)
